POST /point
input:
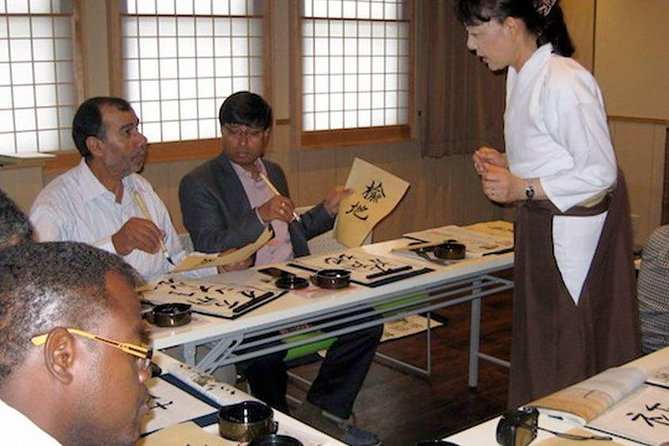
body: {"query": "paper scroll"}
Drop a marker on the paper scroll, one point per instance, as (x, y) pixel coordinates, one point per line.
(197, 260)
(376, 193)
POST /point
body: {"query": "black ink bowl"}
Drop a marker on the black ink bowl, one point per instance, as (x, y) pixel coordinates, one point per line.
(332, 279)
(450, 250)
(169, 315)
(276, 440)
(291, 282)
(246, 421)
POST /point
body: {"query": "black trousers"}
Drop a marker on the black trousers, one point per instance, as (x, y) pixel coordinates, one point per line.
(339, 379)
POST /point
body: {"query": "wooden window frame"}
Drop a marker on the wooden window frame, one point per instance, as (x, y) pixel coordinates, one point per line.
(347, 136)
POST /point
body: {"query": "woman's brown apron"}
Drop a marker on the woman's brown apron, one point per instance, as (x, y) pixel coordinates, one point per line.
(557, 343)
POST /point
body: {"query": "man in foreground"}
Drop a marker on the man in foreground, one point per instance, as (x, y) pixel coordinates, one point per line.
(74, 360)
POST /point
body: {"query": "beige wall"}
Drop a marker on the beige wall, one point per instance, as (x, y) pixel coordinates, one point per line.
(624, 43)
(632, 58)
(580, 16)
(631, 64)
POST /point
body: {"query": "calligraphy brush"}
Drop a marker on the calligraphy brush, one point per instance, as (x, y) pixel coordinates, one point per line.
(276, 192)
(139, 201)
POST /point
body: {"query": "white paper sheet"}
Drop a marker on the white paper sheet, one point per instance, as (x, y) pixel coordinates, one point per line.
(170, 405)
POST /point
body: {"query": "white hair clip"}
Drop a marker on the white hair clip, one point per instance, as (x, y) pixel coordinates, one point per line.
(544, 6)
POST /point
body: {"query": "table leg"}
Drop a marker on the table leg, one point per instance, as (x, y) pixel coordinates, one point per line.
(218, 354)
(189, 353)
(474, 337)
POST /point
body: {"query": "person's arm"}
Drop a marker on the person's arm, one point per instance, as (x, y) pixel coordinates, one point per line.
(316, 221)
(500, 185)
(575, 117)
(51, 225)
(210, 223)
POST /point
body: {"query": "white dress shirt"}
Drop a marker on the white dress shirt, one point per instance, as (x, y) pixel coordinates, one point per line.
(19, 429)
(75, 206)
(555, 129)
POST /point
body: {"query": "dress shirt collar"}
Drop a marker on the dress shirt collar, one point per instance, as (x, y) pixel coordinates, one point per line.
(91, 187)
(241, 172)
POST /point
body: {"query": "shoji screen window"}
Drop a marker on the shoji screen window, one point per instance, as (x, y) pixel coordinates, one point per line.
(182, 58)
(38, 91)
(355, 65)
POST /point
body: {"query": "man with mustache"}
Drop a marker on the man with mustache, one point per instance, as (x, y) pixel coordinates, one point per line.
(74, 360)
(95, 202)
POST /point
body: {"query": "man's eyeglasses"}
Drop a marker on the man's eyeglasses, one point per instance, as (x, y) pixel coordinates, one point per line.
(142, 352)
(237, 131)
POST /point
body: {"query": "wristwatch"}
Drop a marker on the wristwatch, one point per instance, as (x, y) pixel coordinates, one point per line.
(529, 191)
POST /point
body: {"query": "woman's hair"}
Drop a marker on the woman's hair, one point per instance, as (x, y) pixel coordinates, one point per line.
(542, 18)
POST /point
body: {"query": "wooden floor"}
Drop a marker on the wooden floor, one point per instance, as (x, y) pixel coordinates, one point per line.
(403, 409)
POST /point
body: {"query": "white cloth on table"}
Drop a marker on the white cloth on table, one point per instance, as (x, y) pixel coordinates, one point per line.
(19, 429)
(556, 130)
(75, 206)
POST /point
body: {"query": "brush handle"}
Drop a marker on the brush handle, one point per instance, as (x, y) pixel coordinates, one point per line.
(276, 192)
(139, 201)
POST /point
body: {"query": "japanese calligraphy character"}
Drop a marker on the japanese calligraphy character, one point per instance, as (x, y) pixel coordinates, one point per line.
(155, 404)
(358, 210)
(651, 421)
(374, 192)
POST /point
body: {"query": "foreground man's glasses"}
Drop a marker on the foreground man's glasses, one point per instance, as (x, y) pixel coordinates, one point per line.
(142, 352)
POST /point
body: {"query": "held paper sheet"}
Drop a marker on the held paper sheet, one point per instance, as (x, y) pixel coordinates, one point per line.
(198, 260)
(375, 194)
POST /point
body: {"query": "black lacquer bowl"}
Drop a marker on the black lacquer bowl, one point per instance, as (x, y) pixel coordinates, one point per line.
(276, 440)
(170, 315)
(332, 278)
(291, 282)
(450, 250)
(246, 421)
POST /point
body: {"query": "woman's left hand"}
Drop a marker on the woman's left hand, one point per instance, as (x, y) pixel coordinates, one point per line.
(501, 186)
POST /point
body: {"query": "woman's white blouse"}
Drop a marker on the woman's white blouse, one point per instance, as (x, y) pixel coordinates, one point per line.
(555, 128)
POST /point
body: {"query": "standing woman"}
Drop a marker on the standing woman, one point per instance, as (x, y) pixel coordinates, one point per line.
(575, 311)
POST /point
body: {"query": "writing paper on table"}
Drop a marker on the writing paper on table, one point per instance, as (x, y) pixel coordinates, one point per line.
(183, 434)
(618, 401)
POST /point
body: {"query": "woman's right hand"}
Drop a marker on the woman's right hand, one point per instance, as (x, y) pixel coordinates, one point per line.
(485, 156)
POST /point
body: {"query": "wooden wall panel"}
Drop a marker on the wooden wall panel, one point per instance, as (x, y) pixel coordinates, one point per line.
(631, 60)
(580, 17)
(640, 148)
(21, 184)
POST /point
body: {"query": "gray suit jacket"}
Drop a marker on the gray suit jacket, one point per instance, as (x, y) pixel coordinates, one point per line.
(218, 215)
